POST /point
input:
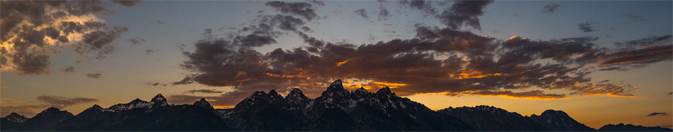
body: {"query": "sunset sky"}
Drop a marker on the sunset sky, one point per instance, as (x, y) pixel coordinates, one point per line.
(599, 61)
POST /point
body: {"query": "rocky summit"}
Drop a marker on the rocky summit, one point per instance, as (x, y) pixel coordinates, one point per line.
(336, 109)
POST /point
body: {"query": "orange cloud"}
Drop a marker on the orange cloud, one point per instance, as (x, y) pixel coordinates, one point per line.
(389, 84)
(468, 73)
(241, 73)
(341, 63)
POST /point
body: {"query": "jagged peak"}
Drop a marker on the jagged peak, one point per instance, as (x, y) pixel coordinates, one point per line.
(138, 100)
(258, 93)
(15, 117)
(384, 90)
(336, 83)
(273, 92)
(158, 98)
(361, 90)
(203, 103)
(295, 93)
(96, 106)
(13, 114)
(50, 109)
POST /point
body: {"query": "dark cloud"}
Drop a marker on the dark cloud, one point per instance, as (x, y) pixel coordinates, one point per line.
(547, 9)
(464, 12)
(317, 2)
(127, 3)
(148, 51)
(157, 22)
(186, 80)
(422, 5)
(209, 91)
(302, 9)
(94, 75)
(586, 27)
(471, 64)
(383, 13)
(362, 13)
(46, 32)
(670, 93)
(61, 102)
(657, 114)
(135, 40)
(639, 52)
(69, 69)
(31, 63)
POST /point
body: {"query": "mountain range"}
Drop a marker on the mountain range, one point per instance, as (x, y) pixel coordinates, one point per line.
(337, 109)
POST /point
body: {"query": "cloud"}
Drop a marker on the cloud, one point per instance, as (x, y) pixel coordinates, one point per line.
(464, 12)
(69, 69)
(209, 91)
(657, 114)
(61, 102)
(383, 13)
(670, 93)
(586, 27)
(302, 9)
(127, 3)
(438, 60)
(638, 53)
(548, 9)
(362, 13)
(94, 75)
(135, 40)
(148, 51)
(30, 33)
(422, 5)
(157, 22)
(428, 64)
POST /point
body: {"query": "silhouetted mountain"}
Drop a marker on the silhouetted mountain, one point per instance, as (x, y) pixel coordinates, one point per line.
(44, 120)
(11, 121)
(139, 115)
(489, 118)
(630, 127)
(559, 121)
(336, 109)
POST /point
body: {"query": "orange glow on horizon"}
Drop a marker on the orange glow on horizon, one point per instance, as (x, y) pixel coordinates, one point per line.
(223, 106)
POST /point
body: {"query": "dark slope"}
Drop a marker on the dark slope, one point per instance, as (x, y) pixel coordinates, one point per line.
(485, 118)
(559, 121)
(11, 121)
(44, 120)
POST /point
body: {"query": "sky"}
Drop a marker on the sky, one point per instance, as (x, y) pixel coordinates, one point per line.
(599, 61)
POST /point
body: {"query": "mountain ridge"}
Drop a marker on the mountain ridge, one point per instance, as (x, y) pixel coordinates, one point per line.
(337, 109)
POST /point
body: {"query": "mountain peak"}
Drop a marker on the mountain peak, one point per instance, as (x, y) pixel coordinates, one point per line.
(14, 117)
(137, 100)
(158, 98)
(203, 103)
(361, 90)
(273, 92)
(337, 82)
(384, 91)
